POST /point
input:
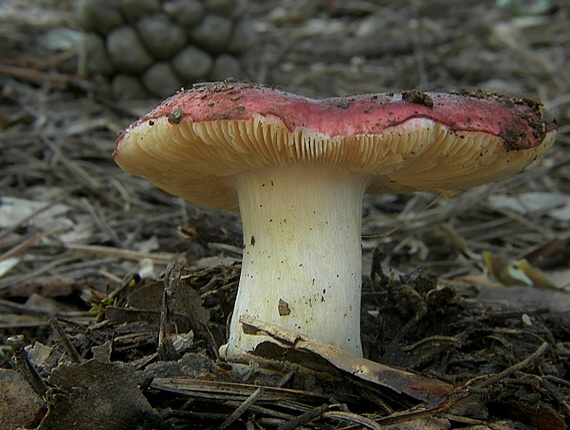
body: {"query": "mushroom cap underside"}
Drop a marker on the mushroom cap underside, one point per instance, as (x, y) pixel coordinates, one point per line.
(196, 141)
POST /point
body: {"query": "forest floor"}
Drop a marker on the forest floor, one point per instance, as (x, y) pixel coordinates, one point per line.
(87, 251)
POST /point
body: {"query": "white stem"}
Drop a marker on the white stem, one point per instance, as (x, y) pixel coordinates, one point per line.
(302, 261)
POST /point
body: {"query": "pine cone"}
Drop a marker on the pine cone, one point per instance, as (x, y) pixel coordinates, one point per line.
(148, 48)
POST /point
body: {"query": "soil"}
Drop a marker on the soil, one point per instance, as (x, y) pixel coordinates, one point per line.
(114, 296)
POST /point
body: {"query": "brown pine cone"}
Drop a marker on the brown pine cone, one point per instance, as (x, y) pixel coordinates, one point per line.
(153, 48)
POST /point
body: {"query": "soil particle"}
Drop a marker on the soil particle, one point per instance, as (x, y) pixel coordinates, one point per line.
(176, 116)
(418, 97)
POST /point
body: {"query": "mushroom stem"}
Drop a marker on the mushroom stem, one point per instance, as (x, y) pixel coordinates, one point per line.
(302, 261)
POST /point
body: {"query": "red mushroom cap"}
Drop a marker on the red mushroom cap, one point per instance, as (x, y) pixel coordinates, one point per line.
(196, 139)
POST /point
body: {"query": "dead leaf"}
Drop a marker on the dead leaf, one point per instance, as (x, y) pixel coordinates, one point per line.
(20, 406)
(508, 272)
(95, 395)
(414, 385)
(556, 205)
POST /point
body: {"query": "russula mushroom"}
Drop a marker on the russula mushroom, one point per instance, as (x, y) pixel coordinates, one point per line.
(297, 169)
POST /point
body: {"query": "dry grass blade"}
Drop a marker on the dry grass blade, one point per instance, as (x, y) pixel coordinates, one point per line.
(224, 391)
(64, 339)
(234, 416)
(25, 367)
(510, 370)
(108, 251)
(305, 418)
(353, 419)
(30, 242)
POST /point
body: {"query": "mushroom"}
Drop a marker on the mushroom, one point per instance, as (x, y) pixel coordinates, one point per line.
(297, 169)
